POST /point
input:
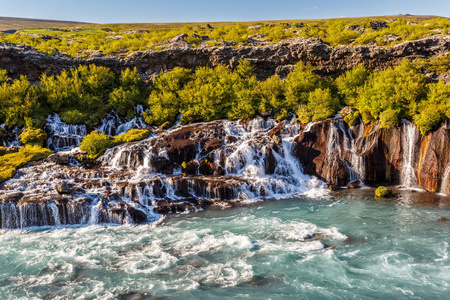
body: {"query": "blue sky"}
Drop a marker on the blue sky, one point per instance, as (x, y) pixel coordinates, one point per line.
(108, 11)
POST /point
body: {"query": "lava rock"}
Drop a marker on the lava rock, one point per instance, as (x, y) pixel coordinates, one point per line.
(63, 188)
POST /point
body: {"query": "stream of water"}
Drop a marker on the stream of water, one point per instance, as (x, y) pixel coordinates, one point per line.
(341, 246)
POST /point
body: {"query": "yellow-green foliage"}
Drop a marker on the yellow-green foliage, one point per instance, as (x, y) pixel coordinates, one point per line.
(132, 135)
(351, 117)
(435, 108)
(9, 163)
(96, 142)
(79, 94)
(399, 89)
(33, 137)
(131, 91)
(383, 192)
(2, 150)
(19, 100)
(3, 76)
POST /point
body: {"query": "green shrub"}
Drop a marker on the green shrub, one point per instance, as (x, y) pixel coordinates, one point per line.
(3, 76)
(321, 104)
(384, 192)
(389, 118)
(33, 137)
(349, 83)
(130, 93)
(96, 142)
(352, 117)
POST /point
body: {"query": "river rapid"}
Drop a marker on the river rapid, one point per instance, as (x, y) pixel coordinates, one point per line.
(344, 245)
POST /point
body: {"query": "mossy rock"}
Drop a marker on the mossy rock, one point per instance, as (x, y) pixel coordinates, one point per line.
(384, 192)
(9, 163)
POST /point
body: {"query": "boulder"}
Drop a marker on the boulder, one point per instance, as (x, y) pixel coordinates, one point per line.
(63, 188)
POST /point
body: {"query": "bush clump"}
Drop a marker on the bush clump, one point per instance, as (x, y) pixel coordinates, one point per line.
(9, 163)
(384, 192)
(97, 142)
(33, 137)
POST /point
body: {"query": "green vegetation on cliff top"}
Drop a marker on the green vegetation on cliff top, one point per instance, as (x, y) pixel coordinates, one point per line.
(127, 38)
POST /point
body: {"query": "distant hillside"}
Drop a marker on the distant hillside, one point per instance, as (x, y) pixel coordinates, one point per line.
(7, 23)
(178, 25)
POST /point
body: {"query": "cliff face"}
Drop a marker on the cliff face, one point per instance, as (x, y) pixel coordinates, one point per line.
(277, 58)
(339, 154)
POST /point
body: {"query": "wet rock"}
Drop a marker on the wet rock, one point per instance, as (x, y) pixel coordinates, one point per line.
(63, 188)
(207, 168)
(231, 139)
(11, 197)
(59, 159)
(212, 145)
(138, 216)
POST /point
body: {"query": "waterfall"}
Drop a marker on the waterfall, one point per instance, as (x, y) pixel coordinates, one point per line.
(63, 136)
(133, 183)
(410, 138)
(10, 138)
(444, 181)
(113, 124)
(343, 150)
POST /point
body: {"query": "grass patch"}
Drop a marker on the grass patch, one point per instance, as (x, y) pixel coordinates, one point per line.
(96, 142)
(9, 163)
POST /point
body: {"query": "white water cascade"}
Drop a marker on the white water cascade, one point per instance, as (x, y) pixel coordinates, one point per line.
(11, 138)
(63, 136)
(444, 182)
(410, 139)
(132, 180)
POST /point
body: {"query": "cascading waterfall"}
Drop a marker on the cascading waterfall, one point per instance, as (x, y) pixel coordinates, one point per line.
(137, 179)
(63, 136)
(410, 138)
(113, 124)
(11, 138)
(343, 150)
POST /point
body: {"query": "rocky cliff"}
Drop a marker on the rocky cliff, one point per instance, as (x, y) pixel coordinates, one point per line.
(338, 154)
(268, 59)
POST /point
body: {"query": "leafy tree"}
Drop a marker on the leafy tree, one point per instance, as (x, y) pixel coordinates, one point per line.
(131, 92)
(349, 83)
(299, 83)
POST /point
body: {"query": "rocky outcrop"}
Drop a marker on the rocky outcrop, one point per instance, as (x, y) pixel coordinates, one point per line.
(267, 59)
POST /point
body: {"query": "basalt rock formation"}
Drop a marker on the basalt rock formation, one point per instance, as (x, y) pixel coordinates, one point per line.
(339, 154)
(278, 58)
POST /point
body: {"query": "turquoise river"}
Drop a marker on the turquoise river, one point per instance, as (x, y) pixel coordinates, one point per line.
(346, 245)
